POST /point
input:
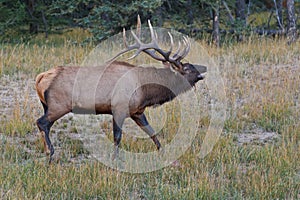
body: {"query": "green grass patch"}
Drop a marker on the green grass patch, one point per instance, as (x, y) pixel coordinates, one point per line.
(275, 117)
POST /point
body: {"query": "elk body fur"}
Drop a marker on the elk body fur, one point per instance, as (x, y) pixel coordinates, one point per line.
(118, 88)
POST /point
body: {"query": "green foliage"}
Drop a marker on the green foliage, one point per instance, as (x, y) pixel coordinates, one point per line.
(12, 14)
(108, 18)
(105, 18)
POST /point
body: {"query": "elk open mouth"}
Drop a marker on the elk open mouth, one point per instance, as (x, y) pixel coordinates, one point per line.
(201, 71)
(201, 76)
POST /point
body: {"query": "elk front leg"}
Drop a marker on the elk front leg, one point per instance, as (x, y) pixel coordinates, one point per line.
(44, 126)
(117, 130)
(141, 121)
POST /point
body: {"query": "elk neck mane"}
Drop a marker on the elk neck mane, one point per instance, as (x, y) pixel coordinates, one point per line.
(163, 85)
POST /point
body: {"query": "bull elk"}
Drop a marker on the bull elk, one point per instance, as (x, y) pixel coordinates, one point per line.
(121, 89)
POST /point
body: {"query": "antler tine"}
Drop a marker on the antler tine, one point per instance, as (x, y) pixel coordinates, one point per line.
(124, 38)
(138, 27)
(128, 47)
(133, 46)
(181, 53)
(172, 42)
(156, 36)
(137, 44)
(153, 38)
(146, 47)
(188, 41)
(174, 57)
(187, 47)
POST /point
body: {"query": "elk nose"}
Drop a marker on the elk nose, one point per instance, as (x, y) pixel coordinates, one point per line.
(201, 69)
(201, 76)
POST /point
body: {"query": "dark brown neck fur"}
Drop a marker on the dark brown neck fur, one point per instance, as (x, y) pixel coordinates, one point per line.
(165, 87)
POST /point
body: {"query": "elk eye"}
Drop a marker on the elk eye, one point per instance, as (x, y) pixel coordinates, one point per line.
(186, 68)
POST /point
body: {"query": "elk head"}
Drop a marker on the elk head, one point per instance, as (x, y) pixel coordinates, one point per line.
(193, 73)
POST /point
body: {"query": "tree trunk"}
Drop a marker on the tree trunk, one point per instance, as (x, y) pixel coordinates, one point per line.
(159, 16)
(33, 28)
(240, 13)
(216, 26)
(33, 24)
(231, 18)
(190, 16)
(292, 32)
(278, 8)
(45, 24)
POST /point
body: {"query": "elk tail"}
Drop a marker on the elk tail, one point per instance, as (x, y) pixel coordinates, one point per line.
(43, 82)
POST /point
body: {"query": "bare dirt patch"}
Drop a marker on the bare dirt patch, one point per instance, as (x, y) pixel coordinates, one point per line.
(256, 135)
(15, 91)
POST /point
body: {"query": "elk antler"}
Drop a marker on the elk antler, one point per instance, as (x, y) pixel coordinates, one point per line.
(152, 48)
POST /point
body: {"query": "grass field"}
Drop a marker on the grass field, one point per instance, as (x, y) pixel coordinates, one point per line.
(256, 157)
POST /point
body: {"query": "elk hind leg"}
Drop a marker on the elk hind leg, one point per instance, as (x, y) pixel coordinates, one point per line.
(44, 126)
(141, 121)
(117, 131)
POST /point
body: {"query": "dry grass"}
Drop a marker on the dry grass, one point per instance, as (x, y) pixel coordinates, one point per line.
(262, 85)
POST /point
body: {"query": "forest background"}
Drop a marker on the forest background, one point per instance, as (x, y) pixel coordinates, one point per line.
(200, 19)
